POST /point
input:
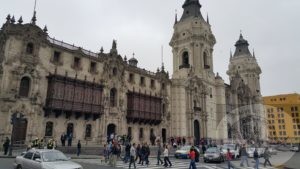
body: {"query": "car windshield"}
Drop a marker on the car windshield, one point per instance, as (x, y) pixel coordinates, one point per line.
(230, 146)
(185, 148)
(54, 156)
(212, 150)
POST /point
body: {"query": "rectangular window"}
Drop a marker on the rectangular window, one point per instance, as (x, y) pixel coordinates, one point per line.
(163, 86)
(284, 133)
(283, 127)
(295, 133)
(295, 127)
(274, 133)
(142, 81)
(282, 115)
(131, 78)
(93, 67)
(141, 134)
(292, 109)
(279, 127)
(293, 114)
(279, 121)
(296, 108)
(129, 131)
(56, 57)
(280, 133)
(76, 64)
(152, 83)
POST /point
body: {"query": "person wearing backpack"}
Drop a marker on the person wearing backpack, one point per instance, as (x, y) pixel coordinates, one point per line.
(256, 158)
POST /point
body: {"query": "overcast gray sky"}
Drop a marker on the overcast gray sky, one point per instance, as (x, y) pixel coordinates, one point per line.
(142, 26)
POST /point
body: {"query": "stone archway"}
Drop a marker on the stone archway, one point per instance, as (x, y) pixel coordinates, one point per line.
(164, 135)
(197, 131)
(111, 129)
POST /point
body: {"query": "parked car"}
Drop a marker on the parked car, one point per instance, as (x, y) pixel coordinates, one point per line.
(294, 148)
(44, 159)
(260, 151)
(272, 151)
(234, 150)
(184, 151)
(213, 154)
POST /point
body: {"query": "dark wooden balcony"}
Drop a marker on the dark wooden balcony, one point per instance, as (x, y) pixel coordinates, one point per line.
(73, 97)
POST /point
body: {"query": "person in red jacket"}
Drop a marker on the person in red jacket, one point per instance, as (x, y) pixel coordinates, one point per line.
(192, 156)
(229, 158)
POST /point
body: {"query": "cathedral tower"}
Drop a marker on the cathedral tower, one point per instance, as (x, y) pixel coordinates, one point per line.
(197, 94)
(192, 42)
(247, 112)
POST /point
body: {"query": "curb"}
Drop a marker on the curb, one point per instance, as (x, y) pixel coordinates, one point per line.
(7, 156)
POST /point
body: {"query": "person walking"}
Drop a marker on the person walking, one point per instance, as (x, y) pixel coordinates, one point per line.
(106, 153)
(159, 151)
(70, 137)
(267, 156)
(229, 158)
(139, 153)
(78, 148)
(127, 153)
(114, 154)
(63, 139)
(147, 154)
(166, 157)
(244, 156)
(6, 145)
(256, 158)
(192, 155)
(132, 156)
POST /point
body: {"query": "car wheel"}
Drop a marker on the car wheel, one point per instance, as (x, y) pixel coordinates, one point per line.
(19, 167)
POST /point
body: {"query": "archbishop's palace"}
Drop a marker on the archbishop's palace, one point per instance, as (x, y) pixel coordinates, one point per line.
(50, 87)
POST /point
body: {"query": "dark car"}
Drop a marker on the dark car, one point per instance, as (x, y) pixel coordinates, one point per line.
(213, 154)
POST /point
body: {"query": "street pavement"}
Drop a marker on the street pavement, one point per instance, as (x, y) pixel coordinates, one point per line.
(176, 163)
(284, 160)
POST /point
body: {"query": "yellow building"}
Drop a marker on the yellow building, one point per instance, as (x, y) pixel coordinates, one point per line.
(283, 119)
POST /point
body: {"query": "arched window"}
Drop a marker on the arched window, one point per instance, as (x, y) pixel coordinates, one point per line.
(29, 48)
(185, 59)
(88, 131)
(24, 87)
(49, 129)
(113, 97)
(205, 61)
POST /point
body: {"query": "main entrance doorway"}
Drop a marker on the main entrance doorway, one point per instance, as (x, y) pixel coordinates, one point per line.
(197, 132)
(111, 129)
(19, 131)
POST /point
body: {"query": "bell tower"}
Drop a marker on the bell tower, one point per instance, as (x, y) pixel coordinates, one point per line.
(192, 42)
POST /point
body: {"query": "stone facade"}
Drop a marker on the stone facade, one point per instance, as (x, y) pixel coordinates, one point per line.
(243, 96)
(61, 88)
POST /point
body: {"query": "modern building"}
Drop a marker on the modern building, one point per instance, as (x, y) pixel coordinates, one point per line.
(283, 117)
(50, 87)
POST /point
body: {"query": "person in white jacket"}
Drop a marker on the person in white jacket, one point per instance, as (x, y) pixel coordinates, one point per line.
(166, 157)
(132, 155)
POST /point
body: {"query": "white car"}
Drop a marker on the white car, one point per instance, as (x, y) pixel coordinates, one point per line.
(233, 148)
(44, 159)
(251, 150)
(294, 148)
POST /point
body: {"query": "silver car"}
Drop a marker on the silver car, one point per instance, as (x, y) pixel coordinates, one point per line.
(44, 159)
